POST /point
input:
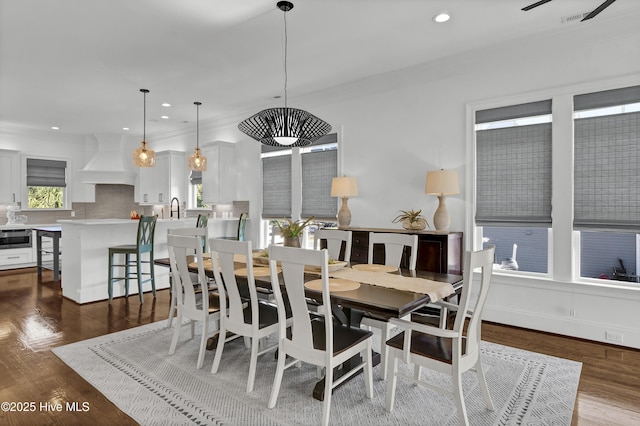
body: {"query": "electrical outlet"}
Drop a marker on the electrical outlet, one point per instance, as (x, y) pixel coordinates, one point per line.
(73, 213)
(613, 336)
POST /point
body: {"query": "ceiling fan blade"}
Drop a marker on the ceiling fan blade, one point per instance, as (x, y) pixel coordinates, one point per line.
(536, 4)
(597, 10)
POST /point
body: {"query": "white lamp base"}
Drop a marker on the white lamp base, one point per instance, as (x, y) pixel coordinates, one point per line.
(441, 218)
(344, 215)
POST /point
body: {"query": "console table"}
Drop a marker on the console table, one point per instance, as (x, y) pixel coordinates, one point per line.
(437, 251)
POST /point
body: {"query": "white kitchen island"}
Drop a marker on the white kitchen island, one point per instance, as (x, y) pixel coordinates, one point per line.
(86, 253)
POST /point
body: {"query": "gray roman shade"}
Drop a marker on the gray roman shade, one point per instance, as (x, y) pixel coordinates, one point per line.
(607, 98)
(607, 169)
(46, 172)
(318, 170)
(276, 187)
(513, 169)
(195, 177)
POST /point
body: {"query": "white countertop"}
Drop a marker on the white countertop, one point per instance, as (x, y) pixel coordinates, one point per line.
(126, 221)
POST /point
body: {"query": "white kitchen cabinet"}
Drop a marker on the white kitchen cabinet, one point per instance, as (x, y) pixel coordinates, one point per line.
(9, 176)
(16, 258)
(219, 180)
(168, 179)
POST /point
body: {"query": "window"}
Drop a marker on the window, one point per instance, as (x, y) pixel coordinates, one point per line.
(296, 183)
(195, 193)
(606, 182)
(513, 183)
(46, 183)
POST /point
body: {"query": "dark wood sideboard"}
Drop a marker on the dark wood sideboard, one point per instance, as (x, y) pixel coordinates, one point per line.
(437, 251)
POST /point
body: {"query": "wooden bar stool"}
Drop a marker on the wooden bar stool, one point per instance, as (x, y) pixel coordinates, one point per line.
(144, 244)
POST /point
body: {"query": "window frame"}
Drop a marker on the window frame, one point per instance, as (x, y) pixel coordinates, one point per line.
(66, 192)
(564, 242)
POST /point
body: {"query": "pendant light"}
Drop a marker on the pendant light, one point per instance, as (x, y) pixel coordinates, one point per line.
(197, 161)
(144, 156)
(285, 126)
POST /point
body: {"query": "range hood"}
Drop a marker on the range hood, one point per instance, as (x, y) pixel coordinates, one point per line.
(108, 164)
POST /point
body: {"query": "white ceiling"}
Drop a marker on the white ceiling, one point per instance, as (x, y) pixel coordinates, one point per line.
(79, 64)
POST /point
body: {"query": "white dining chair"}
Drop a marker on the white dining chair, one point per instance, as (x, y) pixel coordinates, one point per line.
(394, 247)
(194, 305)
(319, 342)
(451, 352)
(203, 233)
(334, 239)
(255, 319)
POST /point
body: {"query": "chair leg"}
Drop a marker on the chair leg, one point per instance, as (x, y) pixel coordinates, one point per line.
(176, 334)
(153, 274)
(277, 381)
(326, 404)
(385, 330)
(203, 343)
(368, 371)
(174, 302)
(110, 283)
(483, 384)
(391, 381)
(255, 344)
(139, 275)
(126, 275)
(459, 397)
(219, 348)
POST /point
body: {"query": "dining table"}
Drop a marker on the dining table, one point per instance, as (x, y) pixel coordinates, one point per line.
(374, 294)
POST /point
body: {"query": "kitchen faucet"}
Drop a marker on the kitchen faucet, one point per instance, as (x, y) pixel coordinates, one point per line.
(171, 206)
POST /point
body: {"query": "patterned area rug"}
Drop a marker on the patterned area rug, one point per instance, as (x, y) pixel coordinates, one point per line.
(133, 370)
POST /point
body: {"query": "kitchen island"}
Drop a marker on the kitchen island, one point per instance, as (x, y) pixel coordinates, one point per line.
(86, 261)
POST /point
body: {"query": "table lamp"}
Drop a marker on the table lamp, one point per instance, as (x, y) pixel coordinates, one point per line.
(441, 183)
(344, 187)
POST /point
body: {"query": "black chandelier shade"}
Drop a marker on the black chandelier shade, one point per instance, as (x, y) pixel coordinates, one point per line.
(271, 124)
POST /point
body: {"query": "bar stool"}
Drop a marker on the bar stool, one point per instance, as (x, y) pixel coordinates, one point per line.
(144, 244)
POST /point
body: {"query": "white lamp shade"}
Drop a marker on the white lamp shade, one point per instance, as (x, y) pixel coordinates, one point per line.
(442, 182)
(344, 187)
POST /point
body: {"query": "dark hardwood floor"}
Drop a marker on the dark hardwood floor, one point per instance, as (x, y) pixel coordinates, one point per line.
(34, 317)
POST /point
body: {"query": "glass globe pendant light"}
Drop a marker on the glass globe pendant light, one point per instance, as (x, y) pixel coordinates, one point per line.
(144, 156)
(197, 161)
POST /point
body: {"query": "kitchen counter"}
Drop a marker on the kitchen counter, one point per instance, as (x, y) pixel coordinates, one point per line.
(84, 279)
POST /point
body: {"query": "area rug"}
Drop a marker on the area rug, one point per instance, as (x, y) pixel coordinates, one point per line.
(133, 370)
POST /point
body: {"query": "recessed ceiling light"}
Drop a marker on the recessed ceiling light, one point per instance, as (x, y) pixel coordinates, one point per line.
(165, 117)
(166, 104)
(125, 128)
(442, 17)
(55, 128)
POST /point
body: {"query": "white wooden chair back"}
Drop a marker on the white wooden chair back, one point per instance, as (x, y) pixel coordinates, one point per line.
(394, 245)
(334, 239)
(180, 247)
(223, 253)
(202, 232)
(292, 262)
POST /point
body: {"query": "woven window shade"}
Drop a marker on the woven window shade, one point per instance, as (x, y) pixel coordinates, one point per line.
(607, 173)
(318, 169)
(195, 177)
(46, 172)
(276, 187)
(513, 168)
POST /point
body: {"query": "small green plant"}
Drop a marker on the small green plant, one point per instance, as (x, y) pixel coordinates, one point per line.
(409, 215)
(290, 228)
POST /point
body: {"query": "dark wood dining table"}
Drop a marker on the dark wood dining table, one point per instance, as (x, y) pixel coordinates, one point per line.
(350, 306)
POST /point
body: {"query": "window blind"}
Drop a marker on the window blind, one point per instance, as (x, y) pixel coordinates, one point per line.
(318, 170)
(276, 187)
(195, 177)
(46, 172)
(513, 169)
(607, 98)
(607, 172)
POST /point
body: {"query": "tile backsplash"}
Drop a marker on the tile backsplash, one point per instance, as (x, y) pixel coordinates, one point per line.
(116, 202)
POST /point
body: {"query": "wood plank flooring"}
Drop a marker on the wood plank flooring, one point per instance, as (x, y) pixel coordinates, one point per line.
(34, 317)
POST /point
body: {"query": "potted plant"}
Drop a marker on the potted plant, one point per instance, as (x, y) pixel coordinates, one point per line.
(292, 230)
(412, 220)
